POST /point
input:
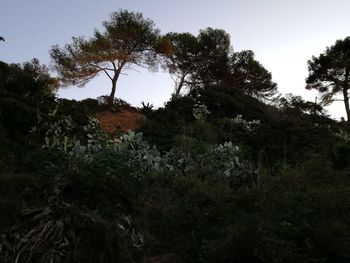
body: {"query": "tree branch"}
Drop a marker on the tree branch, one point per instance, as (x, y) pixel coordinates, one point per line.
(332, 100)
(114, 66)
(103, 69)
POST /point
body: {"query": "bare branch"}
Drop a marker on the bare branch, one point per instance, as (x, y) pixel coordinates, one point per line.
(101, 68)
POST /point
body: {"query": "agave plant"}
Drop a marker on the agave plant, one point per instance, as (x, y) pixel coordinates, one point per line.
(146, 107)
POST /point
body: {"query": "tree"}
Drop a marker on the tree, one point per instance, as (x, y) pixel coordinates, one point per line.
(180, 59)
(196, 61)
(30, 82)
(129, 39)
(208, 59)
(299, 105)
(25, 90)
(215, 47)
(248, 75)
(329, 73)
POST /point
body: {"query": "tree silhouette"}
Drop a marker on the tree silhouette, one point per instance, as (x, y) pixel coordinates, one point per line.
(248, 75)
(26, 90)
(197, 61)
(180, 58)
(329, 73)
(129, 39)
(30, 82)
(215, 48)
(299, 105)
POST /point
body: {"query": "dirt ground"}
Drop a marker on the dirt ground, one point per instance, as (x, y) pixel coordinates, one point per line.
(123, 120)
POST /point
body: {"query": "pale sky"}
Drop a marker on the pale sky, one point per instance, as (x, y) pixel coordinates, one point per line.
(283, 34)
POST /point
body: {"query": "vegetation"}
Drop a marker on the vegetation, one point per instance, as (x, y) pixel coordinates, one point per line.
(250, 76)
(208, 59)
(216, 175)
(329, 73)
(129, 39)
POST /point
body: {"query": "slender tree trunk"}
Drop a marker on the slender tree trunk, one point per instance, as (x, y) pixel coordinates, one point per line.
(346, 95)
(346, 102)
(179, 86)
(111, 96)
(114, 86)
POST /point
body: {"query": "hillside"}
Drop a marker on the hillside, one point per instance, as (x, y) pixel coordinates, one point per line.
(216, 175)
(123, 120)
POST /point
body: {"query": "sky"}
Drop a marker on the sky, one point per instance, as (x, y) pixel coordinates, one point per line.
(284, 35)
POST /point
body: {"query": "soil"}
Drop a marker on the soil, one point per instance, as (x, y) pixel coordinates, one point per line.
(123, 120)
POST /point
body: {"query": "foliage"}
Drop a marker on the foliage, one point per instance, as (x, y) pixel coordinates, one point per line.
(224, 100)
(24, 90)
(248, 125)
(278, 220)
(83, 219)
(59, 135)
(78, 110)
(208, 59)
(29, 82)
(146, 107)
(213, 176)
(284, 134)
(297, 103)
(200, 112)
(196, 60)
(214, 51)
(249, 75)
(181, 58)
(329, 73)
(222, 160)
(129, 39)
(116, 103)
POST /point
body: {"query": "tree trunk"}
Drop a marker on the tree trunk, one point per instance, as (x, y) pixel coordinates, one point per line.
(114, 86)
(346, 101)
(346, 95)
(179, 86)
(111, 96)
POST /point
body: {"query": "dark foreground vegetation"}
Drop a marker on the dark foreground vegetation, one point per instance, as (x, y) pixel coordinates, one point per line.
(216, 175)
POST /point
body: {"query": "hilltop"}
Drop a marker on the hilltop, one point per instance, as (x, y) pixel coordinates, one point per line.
(227, 172)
